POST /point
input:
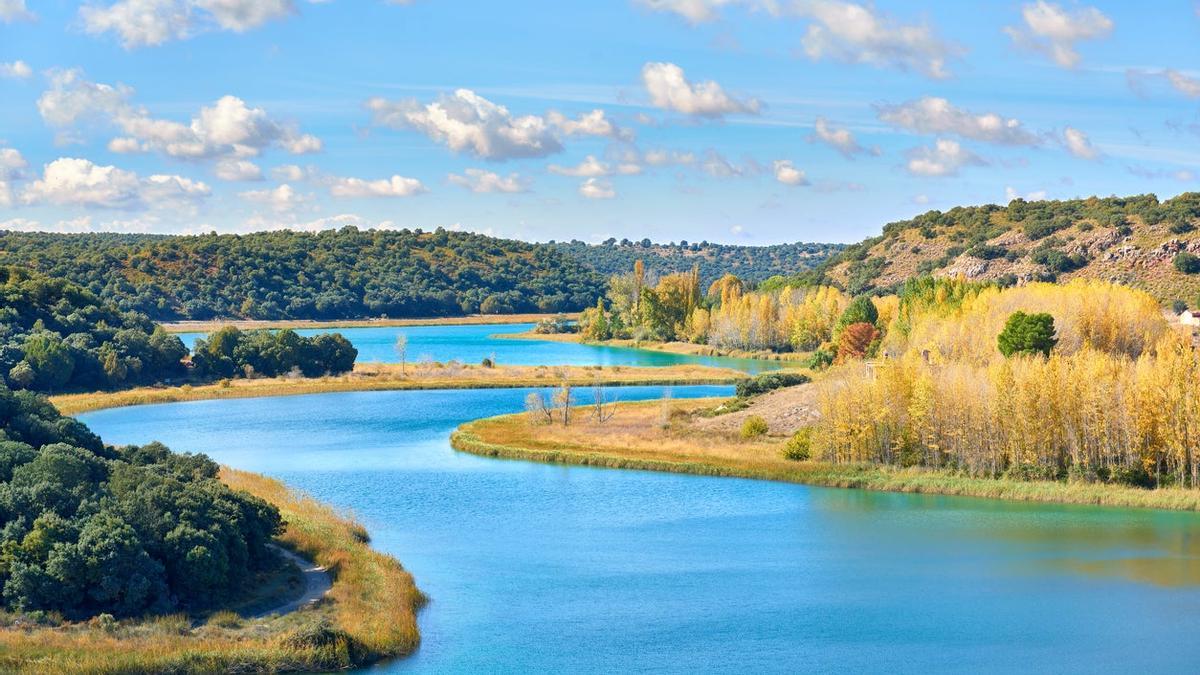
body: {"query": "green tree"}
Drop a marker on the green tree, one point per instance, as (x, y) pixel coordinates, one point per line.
(860, 310)
(50, 359)
(1187, 263)
(1027, 334)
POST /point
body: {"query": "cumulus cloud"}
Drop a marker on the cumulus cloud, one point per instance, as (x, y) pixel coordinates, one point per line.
(1054, 31)
(1181, 82)
(596, 188)
(396, 186)
(467, 122)
(17, 70)
(839, 139)
(290, 173)
(15, 10)
(143, 23)
(480, 180)
(669, 89)
(237, 170)
(11, 163)
(1010, 193)
(1188, 86)
(228, 128)
(788, 174)
(717, 165)
(700, 11)
(1077, 143)
(659, 157)
(79, 182)
(945, 158)
(854, 33)
(933, 115)
(282, 199)
(594, 123)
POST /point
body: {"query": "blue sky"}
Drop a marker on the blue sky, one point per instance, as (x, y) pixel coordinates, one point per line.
(742, 121)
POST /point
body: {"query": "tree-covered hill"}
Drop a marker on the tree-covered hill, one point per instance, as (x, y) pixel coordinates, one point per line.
(750, 263)
(345, 273)
(87, 529)
(1137, 241)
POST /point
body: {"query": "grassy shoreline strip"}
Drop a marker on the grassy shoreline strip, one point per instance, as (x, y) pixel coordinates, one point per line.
(469, 320)
(370, 614)
(472, 437)
(681, 348)
(73, 404)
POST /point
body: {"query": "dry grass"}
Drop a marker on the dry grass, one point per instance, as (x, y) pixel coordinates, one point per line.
(661, 436)
(371, 615)
(471, 319)
(380, 377)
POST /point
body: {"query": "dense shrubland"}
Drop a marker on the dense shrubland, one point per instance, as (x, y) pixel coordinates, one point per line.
(231, 352)
(1117, 398)
(338, 274)
(90, 529)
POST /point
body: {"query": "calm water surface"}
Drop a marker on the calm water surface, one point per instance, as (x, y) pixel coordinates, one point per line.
(471, 344)
(535, 568)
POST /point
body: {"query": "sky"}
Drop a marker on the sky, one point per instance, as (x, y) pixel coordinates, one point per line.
(735, 121)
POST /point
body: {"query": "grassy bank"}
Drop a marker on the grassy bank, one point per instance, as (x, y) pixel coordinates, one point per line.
(685, 348)
(369, 614)
(384, 377)
(672, 436)
(468, 320)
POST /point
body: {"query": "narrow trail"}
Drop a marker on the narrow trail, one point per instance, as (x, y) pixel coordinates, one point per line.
(317, 583)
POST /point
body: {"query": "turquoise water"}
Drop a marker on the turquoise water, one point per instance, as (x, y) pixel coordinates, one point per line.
(472, 344)
(536, 568)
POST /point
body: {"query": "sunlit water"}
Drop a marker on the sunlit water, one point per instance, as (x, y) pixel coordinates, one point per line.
(535, 568)
(472, 344)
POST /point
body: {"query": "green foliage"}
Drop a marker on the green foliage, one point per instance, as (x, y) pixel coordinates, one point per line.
(754, 426)
(799, 447)
(1027, 334)
(1058, 261)
(339, 274)
(819, 360)
(554, 325)
(89, 529)
(55, 336)
(761, 384)
(230, 352)
(860, 310)
(1187, 263)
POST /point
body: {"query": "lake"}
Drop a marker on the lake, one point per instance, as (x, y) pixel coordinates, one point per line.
(538, 568)
(473, 343)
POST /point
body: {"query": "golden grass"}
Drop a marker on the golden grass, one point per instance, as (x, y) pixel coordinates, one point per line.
(381, 377)
(471, 319)
(370, 614)
(685, 348)
(656, 436)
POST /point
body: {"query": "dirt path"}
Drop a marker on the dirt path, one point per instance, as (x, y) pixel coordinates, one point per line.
(317, 583)
(785, 411)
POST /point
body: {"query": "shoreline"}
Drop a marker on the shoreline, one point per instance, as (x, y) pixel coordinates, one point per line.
(512, 437)
(387, 377)
(367, 616)
(208, 326)
(681, 348)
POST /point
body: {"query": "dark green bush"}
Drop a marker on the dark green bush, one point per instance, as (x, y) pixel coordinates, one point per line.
(765, 382)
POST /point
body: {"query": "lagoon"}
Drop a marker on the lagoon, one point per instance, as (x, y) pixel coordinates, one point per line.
(473, 343)
(547, 568)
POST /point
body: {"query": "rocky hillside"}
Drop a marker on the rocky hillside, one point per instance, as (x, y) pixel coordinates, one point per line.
(1138, 241)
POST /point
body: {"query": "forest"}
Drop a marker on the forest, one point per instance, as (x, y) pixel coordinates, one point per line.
(56, 336)
(91, 529)
(331, 274)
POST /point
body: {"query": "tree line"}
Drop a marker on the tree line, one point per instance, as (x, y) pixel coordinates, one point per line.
(87, 528)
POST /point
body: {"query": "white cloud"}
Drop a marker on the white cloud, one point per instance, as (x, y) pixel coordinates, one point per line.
(1011, 193)
(142, 23)
(700, 11)
(282, 199)
(17, 70)
(15, 10)
(595, 188)
(290, 172)
(854, 33)
(468, 122)
(716, 165)
(237, 170)
(594, 123)
(479, 180)
(666, 157)
(11, 163)
(6, 196)
(945, 158)
(1054, 31)
(1188, 86)
(839, 139)
(788, 174)
(921, 199)
(396, 186)
(670, 89)
(1077, 143)
(933, 115)
(590, 167)
(79, 182)
(227, 129)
